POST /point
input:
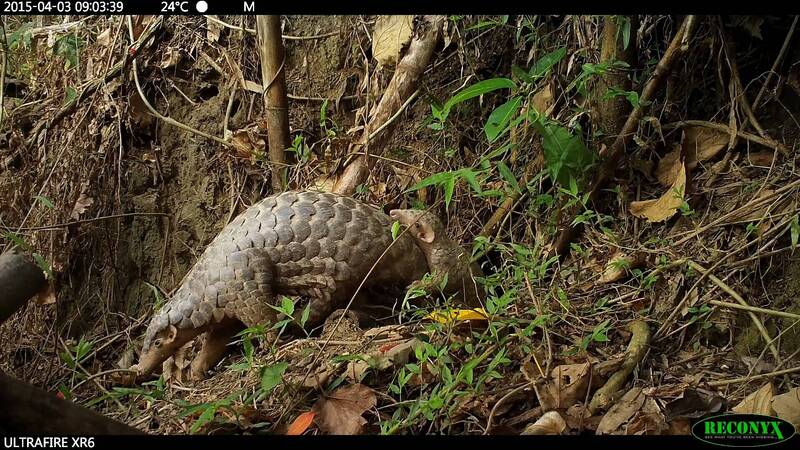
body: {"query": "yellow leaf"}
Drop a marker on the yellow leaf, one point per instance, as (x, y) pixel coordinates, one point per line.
(664, 207)
(390, 35)
(458, 315)
(699, 144)
(758, 402)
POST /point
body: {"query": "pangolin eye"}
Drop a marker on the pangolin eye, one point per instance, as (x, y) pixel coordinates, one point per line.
(157, 343)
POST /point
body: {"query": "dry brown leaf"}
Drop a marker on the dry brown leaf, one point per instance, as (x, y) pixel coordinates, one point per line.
(622, 411)
(213, 29)
(170, 58)
(699, 144)
(550, 423)
(543, 100)
(759, 402)
(301, 424)
(248, 143)
(46, 296)
(762, 159)
(390, 35)
(664, 207)
(340, 413)
(619, 265)
(787, 406)
(395, 356)
(82, 204)
(648, 421)
(104, 38)
(567, 386)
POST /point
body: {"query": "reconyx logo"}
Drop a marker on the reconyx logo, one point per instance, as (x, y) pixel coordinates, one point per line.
(743, 430)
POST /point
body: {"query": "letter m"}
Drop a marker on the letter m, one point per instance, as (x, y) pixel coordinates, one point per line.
(249, 6)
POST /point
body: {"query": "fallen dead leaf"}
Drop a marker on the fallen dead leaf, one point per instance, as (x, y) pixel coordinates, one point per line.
(82, 204)
(619, 265)
(170, 58)
(301, 424)
(104, 38)
(340, 413)
(213, 29)
(46, 296)
(543, 100)
(458, 315)
(664, 207)
(390, 35)
(699, 144)
(787, 406)
(567, 386)
(759, 402)
(622, 411)
(763, 159)
(549, 424)
(394, 356)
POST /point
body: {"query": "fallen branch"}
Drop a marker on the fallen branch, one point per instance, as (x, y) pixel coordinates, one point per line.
(93, 219)
(404, 82)
(95, 84)
(637, 349)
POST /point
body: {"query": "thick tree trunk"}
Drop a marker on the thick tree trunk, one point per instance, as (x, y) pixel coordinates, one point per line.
(611, 113)
(276, 106)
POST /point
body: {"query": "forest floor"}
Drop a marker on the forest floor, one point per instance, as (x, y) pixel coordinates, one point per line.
(683, 280)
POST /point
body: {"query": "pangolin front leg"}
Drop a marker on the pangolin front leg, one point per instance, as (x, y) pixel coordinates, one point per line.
(215, 346)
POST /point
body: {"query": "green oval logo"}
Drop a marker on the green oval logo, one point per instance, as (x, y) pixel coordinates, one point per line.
(743, 430)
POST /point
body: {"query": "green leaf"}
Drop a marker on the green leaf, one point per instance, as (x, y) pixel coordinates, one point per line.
(437, 178)
(69, 95)
(449, 187)
(67, 47)
(521, 74)
(795, 232)
(18, 241)
(498, 120)
(395, 229)
(21, 37)
(507, 175)
(207, 416)
(287, 306)
(546, 62)
(44, 265)
(626, 32)
(477, 89)
(272, 376)
(471, 178)
(304, 316)
(565, 154)
(44, 200)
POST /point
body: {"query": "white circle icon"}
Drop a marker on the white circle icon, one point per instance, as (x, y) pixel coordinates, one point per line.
(201, 6)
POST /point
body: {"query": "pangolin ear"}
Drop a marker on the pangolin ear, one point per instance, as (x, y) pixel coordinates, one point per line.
(426, 234)
(172, 333)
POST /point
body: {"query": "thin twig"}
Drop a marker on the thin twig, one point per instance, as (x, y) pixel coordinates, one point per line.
(94, 219)
(755, 309)
(752, 378)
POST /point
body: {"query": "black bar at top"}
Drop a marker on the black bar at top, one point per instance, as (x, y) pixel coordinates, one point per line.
(488, 7)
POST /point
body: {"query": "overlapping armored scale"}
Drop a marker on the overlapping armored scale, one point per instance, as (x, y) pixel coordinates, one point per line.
(319, 245)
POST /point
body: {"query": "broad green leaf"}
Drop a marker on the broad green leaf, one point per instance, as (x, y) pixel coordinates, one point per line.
(498, 120)
(546, 62)
(520, 73)
(69, 95)
(18, 241)
(449, 187)
(207, 416)
(272, 376)
(395, 229)
(565, 154)
(477, 89)
(437, 178)
(472, 180)
(287, 306)
(507, 175)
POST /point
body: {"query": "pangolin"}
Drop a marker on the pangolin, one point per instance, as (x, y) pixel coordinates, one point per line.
(318, 246)
(445, 257)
